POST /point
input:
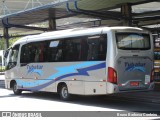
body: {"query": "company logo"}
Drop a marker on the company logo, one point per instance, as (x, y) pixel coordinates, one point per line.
(35, 69)
(135, 67)
(6, 114)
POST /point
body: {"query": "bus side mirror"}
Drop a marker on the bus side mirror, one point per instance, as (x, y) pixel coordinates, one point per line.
(6, 53)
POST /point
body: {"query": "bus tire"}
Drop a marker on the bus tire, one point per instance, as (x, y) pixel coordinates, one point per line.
(15, 90)
(64, 94)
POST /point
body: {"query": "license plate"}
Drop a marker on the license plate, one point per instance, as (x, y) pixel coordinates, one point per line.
(134, 83)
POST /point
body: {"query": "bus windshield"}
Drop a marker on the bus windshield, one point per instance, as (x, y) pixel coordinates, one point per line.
(12, 57)
(133, 41)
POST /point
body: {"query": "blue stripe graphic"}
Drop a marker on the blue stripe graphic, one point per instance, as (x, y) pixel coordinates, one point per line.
(133, 68)
(63, 72)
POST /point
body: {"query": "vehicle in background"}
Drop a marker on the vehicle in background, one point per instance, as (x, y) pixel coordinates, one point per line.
(157, 64)
(2, 62)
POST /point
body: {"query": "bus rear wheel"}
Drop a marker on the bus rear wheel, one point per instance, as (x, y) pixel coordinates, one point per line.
(64, 94)
(16, 91)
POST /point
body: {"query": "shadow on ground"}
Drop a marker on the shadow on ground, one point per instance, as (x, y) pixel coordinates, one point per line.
(96, 101)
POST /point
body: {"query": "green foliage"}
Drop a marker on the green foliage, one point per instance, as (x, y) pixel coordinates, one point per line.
(1, 43)
(2, 68)
(11, 41)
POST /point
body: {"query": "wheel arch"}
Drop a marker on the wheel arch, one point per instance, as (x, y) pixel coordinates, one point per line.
(60, 84)
(12, 83)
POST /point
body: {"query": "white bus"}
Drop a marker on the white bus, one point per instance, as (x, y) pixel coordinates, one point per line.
(88, 61)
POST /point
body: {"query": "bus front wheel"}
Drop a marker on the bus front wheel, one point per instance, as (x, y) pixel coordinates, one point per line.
(16, 91)
(64, 94)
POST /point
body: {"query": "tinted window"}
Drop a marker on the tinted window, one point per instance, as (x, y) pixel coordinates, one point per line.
(133, 41)
(54, 51)
(85, 48)
(33, 52)
(64, 50)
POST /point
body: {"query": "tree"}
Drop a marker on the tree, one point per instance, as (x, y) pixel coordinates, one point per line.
(11, 41)
(1, 43)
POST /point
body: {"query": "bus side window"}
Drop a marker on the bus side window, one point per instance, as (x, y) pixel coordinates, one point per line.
(39, 51)
(69, 53)
(33, 52)
(97, 47)
(28, 52)
(25, 54)
(102, 48)
(42, 51)
(93, 49)
(55, 51)
(72, 49)
(83, 50)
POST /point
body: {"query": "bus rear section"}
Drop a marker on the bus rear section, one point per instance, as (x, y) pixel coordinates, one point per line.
(132, 68)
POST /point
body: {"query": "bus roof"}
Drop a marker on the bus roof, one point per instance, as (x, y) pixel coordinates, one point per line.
(71, 33)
